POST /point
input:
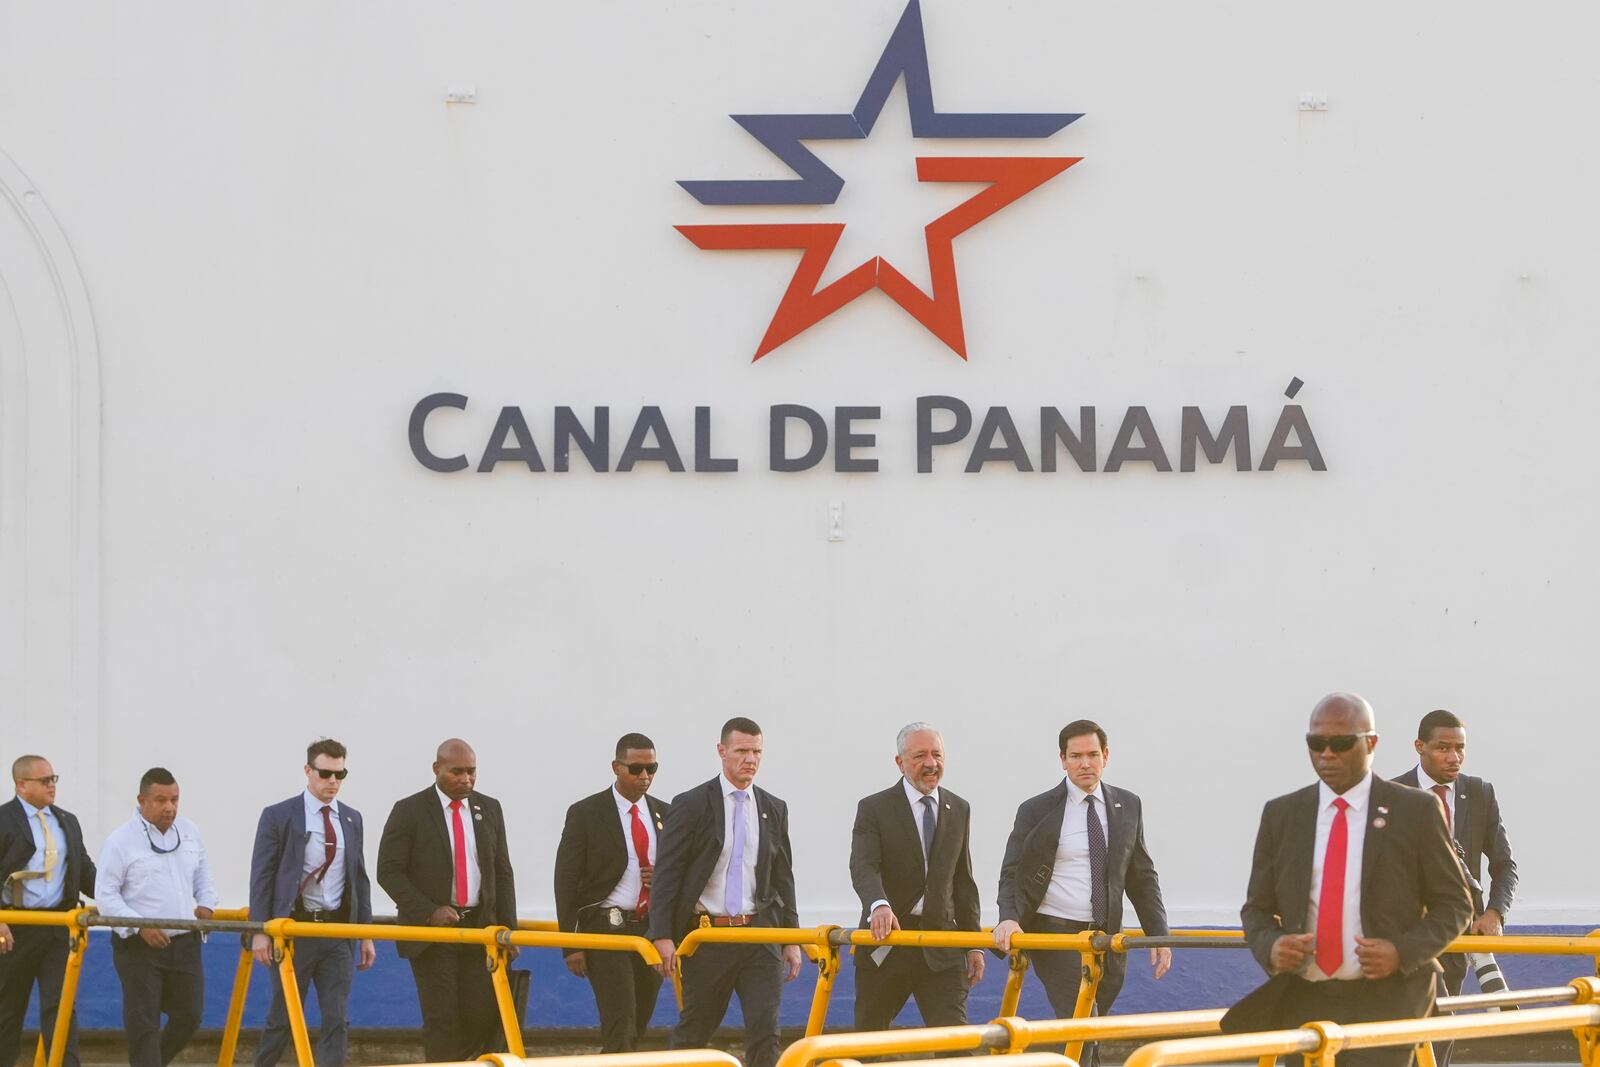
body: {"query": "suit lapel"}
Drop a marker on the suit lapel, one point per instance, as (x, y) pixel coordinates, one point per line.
(613, 823)
(435, 819)
(904, 821)
(1116, 825)
(1303, 827)
(352, 847)
(1377, 839)
(718, 810)
(1461, 822)
(472, 811)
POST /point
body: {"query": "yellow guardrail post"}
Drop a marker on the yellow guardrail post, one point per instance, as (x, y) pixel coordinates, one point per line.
(241, 987)
(283, 952)
(78, 939)
(1094, 968)
(496, 959)
(827, 960)
(1016, 973)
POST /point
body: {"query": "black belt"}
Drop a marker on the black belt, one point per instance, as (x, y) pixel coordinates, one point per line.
(319, 915)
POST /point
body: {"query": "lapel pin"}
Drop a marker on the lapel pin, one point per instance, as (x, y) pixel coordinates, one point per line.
(659, 826)
(763, 815)
(1461, 796)
(947, 807)
(1379, 823)
(1118, 804)
(478, 816)
(1382, 810)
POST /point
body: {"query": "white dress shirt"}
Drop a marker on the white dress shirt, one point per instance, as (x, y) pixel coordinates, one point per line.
(138, 882)
(626, 893)
(914, 798)
(474, 875)
(1069, 895)
(1355, 818)
(327, 894)
(711, 901)
(1428, 781)
(39, 892)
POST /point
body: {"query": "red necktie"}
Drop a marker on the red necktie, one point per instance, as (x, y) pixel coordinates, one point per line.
(1442, 791)
(641, 848)
(1330, 905)
(330, 843)
(461, 853)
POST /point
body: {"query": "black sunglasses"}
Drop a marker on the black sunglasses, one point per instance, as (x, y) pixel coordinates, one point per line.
(640, 768)
(49, 779)
(325, 774)
(157, 849)
(1338, 742)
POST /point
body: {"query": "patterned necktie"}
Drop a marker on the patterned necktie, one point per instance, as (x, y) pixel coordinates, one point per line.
(1443, 792)
(1097, 867)
(928, 824)
(641, 849)
(1330, 903)
(733, 889)
(461, 853)
(330, 843)
(51, 858)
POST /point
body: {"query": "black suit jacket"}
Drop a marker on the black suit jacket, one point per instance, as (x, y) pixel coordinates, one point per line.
(17, 848)
(886, 863)
(688, 850)
(1031, 859)
(593, 854)
(417, 870)
(1478, 828)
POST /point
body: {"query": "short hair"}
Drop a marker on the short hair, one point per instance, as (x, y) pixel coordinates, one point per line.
(1080, 727)
(912, 728)
(155, 776)
(324, 746)
(1435, 719)
(627, 741)
(742, 725)
(22, 765)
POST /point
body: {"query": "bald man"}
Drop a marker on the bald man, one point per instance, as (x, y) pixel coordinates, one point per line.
(443, 860)
(1354, 891)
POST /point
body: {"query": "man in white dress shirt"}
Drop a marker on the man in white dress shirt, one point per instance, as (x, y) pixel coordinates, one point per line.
(154, 867)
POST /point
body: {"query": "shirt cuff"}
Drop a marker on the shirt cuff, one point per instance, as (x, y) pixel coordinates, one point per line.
(876, 904)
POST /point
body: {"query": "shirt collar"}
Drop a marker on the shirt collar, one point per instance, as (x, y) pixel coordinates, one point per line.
(145, 825)
(446, 801)
(623, 803)
(1077, 795)
(915, 795)
(728, 788)
(1356, 796)
(314, 806)
(32, 812)
(1428, 781)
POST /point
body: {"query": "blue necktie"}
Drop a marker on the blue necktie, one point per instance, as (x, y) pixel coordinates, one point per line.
(1097, 868)
(927, 829)
(733, 889)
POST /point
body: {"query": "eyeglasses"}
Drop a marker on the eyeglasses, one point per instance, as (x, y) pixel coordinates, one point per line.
(49, 779)
(640, 768)
(325, 774)
(157, 849)
(1338, 742)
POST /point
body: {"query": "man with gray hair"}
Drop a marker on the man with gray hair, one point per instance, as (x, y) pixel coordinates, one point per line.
(912, 868)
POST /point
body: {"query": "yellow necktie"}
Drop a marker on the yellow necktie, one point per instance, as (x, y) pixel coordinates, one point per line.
(50, 853)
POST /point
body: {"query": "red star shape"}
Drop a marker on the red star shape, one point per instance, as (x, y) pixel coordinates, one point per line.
(804, 305)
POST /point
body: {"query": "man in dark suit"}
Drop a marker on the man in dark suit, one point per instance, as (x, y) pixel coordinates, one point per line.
(444, 861)
(1473, 815)
(308, 865)
(43, 866)
(1073, 854)
(1354, 891)
(604, 867)
(911, 867)
(725, 861)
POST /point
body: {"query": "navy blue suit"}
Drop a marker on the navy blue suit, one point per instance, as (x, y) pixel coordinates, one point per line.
(277, 872)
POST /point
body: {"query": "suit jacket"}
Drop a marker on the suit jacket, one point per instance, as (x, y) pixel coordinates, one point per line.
(886, 863)
(688, 850)
(17, 848)
(593, 854)
(417, 869)
(1478, 828)
(1030, 860)
(277, 864)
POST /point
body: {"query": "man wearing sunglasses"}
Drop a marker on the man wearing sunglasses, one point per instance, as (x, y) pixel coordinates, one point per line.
(603, 872)
(308, 865)
(154, 867)
(1354, 891)
(44, 867)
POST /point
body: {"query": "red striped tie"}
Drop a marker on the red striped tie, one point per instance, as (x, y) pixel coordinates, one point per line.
(461, 853)
(1442, 791)
(1330, 904)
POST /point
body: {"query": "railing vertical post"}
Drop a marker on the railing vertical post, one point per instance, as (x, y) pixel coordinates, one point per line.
(1425, 1057)
(79, 940)
(241, 986)
(1088, 986)
(1017, 962)
(500, 975)
(827, 971)
(284, 949)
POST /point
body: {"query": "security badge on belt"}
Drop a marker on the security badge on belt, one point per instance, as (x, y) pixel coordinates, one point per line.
(614, 918)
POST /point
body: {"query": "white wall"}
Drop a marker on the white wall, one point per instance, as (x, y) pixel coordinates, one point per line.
(288, 238)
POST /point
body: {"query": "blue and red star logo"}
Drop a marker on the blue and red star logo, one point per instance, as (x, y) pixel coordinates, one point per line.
(803, 305)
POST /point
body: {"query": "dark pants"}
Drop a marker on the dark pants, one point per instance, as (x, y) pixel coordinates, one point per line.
(1455, 972)
(157, 981)
(1400, 996)
(883, 989)
(460, 1018)
(38, 955)
(329, 965)
(1061, 973)
(711, 976)
(625, 987)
